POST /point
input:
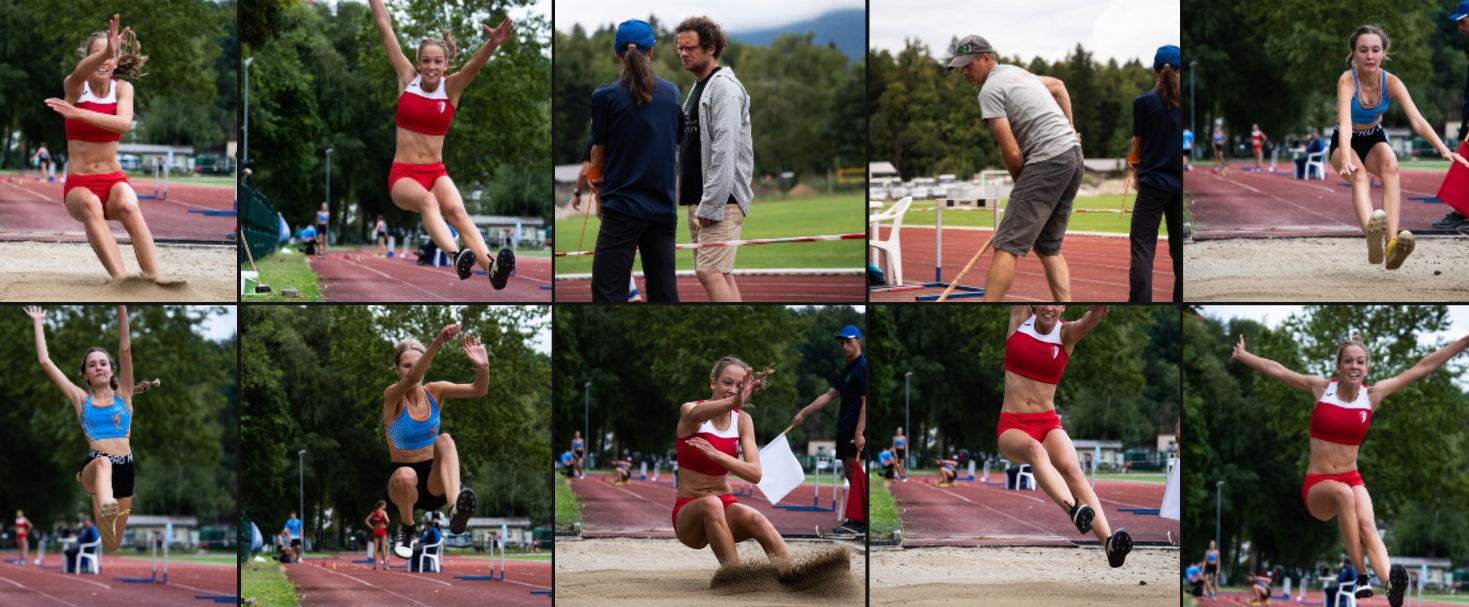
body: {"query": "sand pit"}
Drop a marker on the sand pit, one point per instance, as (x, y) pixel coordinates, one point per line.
(1029, 577)
(665, 573)
(1322, 269)
(69, 272)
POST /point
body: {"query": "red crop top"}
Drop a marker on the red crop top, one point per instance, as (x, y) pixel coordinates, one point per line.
(424, 112)
(1034, 356)
(81, 131)
(724, 440)
(1337, 421)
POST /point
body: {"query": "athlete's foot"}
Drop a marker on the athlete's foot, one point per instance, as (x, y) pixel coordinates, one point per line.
(1376, 235)
(1397, 584)
(461, 511)
(107, 520)
(464, 264)
(501, 270)
(1399, 249)
(1117, 547)
(1081, 516)
(1364, 587)
(406, 538)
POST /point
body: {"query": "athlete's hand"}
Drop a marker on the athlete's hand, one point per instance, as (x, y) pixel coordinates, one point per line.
(1100, 311)
(67, 110)
(1347, 168)
(448, 333)
(476, 352)
(498, 35)
(704, 447)
(114, 38)
(1239, 349)
(1455, 157)
(36, 313)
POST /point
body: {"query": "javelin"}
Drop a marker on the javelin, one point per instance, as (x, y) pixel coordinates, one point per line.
(738, 243)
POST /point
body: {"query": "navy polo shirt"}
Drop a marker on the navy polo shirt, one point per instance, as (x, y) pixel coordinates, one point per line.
(853, 386)
(1160, 165)
(640, 171)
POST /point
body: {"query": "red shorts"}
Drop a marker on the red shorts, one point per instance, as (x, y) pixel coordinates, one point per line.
(1351, 479)
(1037, 425)
(424, 174)
(380, 532)
(99, 185)
(678, 504)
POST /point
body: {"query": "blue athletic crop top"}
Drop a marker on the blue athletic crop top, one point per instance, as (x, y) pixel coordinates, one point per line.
(899, 441)
(113, 421)
(576, 443)
(1365, 115)
(408, 432)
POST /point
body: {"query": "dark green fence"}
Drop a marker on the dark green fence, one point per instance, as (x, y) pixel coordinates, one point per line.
(259, 222)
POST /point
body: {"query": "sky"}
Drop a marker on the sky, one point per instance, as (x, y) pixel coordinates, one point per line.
(539, 7)
(218, 327)
(1272, 316)
(1109, 29)
(732, 15)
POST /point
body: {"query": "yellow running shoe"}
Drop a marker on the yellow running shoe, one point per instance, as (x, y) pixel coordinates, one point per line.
(107, 521)
(1376, 234)
(1399, 249)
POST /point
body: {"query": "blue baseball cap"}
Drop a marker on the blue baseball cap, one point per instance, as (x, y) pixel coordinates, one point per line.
(849, 332)
(633, 31)
(1170, 55)
(1463, 11)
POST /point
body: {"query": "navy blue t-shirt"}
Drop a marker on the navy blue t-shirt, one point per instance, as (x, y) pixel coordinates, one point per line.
(640, 170)
(853, 386)
(1160, 165)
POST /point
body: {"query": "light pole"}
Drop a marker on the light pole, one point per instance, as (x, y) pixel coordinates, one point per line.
(327, 236)
(907, 420)
(1218, 508)
(1191, 125)
(302, 455)
(587, 416)
(245, 149)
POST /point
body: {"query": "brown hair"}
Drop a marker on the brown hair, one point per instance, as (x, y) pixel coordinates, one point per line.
(381, 504)
(1356, 340)
(711, 36)
(130, 57)
(1367, 29)
(728, 361)
(1168, 86)
(142, 387)
(637, 76)
(404, 346)
(447, 43)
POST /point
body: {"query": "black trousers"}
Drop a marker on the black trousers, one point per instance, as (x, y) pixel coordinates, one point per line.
(620, 237)
(1152, 206)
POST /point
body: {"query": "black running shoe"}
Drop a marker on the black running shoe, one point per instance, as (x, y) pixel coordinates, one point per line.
(461, 511)
(1118, 546)
(1081, 516)
(1450, 221)
(464, 264)
(503, 267)
(1397, 584)
(1364, 586)
(845, 529)
(407, 536)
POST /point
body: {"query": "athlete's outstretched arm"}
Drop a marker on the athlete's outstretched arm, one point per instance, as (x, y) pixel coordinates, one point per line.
(1429, 364)
(1278, 372)
(481, 361)
(1397, 90)
(72, 392)
(415, 374)
(748, 468)
(458, 81)
(1072, 332)
(124, 357)
(693, 414)
(1018, 316)
(401, 65)
(90, 63)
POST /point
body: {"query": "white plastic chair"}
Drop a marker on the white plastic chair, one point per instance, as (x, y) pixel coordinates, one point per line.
(1346, 595)
(435, 556)
(94, 556)
(892, 246)
(1025, 473)
(1317, 161)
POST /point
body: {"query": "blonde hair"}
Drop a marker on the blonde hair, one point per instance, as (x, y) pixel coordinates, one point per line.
(130, 57)
(447, 43)
(728, 361)
(404, 346)
(1356, 340)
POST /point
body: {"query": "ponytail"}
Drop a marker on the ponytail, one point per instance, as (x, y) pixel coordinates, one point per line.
(637, 74)
(1167, 86)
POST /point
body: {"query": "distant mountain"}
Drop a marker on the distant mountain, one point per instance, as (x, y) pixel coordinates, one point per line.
(847, 28)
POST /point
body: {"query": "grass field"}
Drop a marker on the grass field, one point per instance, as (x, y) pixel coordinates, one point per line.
(267, 585)
(286, 269)
(567, 513)
(217, 559)
(816, 216)
(1115, 223)
(882, 510)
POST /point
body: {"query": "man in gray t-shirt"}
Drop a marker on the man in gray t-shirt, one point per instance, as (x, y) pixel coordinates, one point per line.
(1031, 119)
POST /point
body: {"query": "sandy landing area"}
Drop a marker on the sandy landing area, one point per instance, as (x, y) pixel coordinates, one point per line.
(665, 573)
(70, 272)
(1024, 577)
(1322, 269)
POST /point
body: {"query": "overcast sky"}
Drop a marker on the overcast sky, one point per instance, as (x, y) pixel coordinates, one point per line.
(218, 327)
(540, 7)
(732, 15)
(1272, 316)
(1120, 29)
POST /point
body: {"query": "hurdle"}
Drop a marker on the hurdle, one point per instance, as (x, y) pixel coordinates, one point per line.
(988, 191)
(545, 592)
(153, 579)
(41, 557)
(160, 176)
(986, 478)
(657, 467)
(491, 577)
(219, 598)
(969, 478)
(747, 489)
(816, 495)
(370, 558)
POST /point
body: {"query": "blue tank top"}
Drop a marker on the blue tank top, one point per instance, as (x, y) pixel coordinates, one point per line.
(1365, 115)
(1211, 556)
(576, 444)
(322, 217)
(899, 441)
(408, 433)
(113, 421)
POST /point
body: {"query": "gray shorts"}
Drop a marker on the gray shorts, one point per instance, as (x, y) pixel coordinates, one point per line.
(1040, 206)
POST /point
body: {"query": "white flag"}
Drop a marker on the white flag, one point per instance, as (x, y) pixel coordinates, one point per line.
(780, 473)
(1170, 493)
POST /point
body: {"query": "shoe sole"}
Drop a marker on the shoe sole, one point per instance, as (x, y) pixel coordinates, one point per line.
(107, 521)
(464, 264)
(1083, 519)
(1376, 233)
(504, 267)
(1121, 545)
(400, 555)
(463, 509)
(1401, 250)
(1398, 577)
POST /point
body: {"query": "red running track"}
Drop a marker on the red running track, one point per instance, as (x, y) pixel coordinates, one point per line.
(814, 288)
(978, 514)
(1098, 266)
(1271, 205)
(645, 509)
(30, 585)
(1316, 597)
(364, 277)
(35, 211)
(357, 584)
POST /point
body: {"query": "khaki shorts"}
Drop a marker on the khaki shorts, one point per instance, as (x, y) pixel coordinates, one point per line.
(717, 259)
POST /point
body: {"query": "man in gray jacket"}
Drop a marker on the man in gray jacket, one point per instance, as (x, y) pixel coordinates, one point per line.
(717, 159)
